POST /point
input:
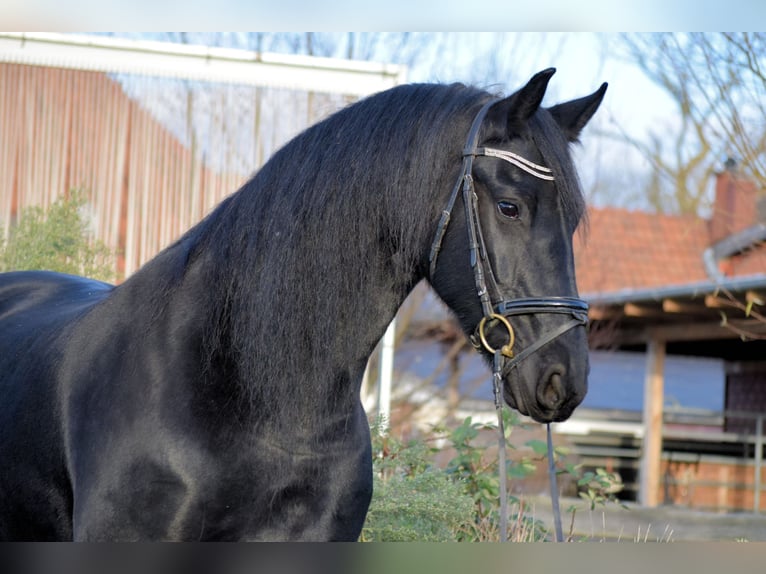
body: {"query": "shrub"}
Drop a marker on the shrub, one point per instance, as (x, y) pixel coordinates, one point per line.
(416, 500)
(56, 239)
(412, 499)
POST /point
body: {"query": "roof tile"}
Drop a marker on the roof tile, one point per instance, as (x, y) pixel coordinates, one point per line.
(626, 249)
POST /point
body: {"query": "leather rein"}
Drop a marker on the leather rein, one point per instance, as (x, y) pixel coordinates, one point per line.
(498, 309)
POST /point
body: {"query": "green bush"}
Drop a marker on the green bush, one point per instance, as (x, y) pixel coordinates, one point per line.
(56, 239)
(478, 471)
(414, 499)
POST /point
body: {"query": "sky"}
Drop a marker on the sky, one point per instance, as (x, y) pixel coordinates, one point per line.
(392, 15)
(633, 104)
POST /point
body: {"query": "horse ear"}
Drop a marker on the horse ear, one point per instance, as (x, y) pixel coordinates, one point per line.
(528, 99)
(573, 115)
(514, 111)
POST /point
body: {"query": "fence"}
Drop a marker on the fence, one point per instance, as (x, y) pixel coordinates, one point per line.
(703, 466)
(156, 133)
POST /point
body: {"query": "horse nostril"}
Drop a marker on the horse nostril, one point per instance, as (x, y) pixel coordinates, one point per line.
(552, 393)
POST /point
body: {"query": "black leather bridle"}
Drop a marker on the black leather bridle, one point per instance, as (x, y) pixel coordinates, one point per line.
(498, 308)
(501, 308)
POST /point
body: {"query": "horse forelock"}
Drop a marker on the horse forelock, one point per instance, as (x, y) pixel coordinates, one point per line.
(555, 150)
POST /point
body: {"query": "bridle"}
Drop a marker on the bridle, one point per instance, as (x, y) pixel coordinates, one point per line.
(499, 309)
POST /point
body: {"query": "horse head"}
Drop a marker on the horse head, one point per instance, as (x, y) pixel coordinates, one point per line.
(503, 260)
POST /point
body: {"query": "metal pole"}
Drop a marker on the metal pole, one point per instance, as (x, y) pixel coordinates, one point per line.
(386, 373)
(758, 463)
(554, 488)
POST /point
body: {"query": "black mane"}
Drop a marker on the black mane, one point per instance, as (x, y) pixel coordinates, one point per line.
(554, 148)
(293, 231)
(318, 209)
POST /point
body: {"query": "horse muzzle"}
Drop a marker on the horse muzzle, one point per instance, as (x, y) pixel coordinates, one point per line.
(557, 388)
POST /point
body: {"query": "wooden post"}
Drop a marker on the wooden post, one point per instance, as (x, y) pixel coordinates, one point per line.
(651, 453)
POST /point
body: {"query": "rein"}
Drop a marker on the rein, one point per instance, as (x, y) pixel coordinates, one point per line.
(496, 312)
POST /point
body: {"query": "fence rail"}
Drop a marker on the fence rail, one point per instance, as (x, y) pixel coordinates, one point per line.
(704, 466)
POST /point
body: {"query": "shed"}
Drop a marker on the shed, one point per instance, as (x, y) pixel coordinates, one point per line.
(682, 285)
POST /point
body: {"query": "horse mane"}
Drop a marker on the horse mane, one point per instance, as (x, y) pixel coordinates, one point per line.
(332, 226)
(335, 226)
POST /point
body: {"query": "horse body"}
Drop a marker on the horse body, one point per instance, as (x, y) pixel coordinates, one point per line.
(215, 393)
(120, 416)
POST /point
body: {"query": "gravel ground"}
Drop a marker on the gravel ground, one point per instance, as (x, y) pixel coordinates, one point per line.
(662, 524)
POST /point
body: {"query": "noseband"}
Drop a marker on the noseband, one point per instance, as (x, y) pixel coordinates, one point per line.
(499, 309)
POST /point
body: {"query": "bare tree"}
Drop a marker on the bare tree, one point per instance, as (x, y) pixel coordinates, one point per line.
(718, 82)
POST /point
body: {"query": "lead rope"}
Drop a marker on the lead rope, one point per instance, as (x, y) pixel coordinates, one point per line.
(501, 465)
(554, 489)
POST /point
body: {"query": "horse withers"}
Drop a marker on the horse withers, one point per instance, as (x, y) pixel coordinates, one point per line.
(214, 395)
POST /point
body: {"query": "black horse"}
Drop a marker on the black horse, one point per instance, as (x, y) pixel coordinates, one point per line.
(215, 393)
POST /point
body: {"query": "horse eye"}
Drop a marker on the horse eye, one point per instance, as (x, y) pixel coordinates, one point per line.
(508, 209)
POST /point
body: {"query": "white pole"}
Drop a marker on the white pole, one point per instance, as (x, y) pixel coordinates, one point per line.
(204, 63)
(386, 373)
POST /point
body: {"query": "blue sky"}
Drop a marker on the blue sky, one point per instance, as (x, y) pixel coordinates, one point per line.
(392, 15)
(633, 104)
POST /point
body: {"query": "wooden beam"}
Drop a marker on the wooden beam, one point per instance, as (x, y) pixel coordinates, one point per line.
(713, 302)
(604, 313)
(683, 307)
(651, 452)
(704, 331)
(716, 302)
(687, 331)
(634, 310)
(755, 297)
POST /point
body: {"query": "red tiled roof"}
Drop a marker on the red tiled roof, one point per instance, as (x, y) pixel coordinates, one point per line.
(637, 250)
(749, 262)
(633, 250)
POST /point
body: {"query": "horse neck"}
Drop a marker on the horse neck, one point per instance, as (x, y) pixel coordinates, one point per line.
(300, 272)
(295, 321)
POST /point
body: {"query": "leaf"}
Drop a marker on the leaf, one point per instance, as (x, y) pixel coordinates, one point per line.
(572, 468)
(586, 478)
(538, 446)
(561, 450)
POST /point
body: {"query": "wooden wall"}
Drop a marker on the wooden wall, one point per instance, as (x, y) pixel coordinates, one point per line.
(154, 165)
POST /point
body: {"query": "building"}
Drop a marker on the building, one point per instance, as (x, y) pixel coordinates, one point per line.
(669, 286)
